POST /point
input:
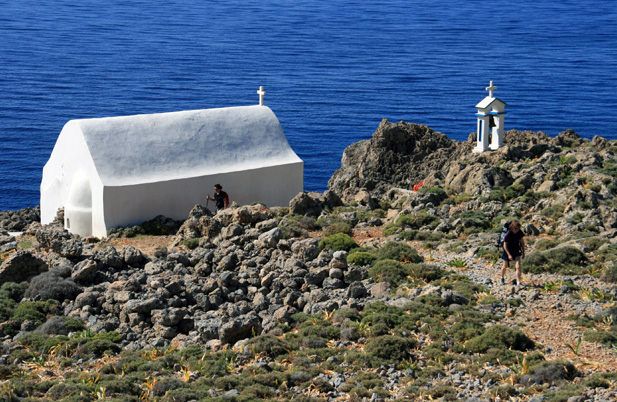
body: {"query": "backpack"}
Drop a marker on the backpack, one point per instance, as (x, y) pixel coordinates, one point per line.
(502, 235)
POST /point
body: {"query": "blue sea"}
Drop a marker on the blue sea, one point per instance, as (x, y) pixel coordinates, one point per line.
(331, 69)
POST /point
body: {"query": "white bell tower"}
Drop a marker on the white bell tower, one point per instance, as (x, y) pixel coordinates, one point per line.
(491, 113)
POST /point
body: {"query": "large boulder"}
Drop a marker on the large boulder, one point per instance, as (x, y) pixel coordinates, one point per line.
(568, 138)
(244, 215)
(398, 155)
(476, 178)
(59, 240)
(20, 266)
(312, 203)
(194, 226)
(240, 327)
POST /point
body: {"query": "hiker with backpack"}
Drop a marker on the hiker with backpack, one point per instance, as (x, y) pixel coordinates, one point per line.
(513, 250)
(221, 199)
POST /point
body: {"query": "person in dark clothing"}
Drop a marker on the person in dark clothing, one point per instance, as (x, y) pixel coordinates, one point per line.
(221, 199)
(513, 250)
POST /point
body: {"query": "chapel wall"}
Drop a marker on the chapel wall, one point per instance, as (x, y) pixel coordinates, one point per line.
(134, 204)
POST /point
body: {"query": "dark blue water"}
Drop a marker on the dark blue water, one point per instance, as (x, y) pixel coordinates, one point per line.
(332, 70)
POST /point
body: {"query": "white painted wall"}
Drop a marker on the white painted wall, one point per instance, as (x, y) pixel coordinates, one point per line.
(69, 156)
(142, 166)
(130, 205)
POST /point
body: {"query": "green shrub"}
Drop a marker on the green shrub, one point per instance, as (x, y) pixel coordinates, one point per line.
(49, 286)
(610, 274)
(596, 381)
(389, 316)
(490, 255)
(390, 348)
(119, 385)
(576, 218)
(554, 212)
(318, 329)
(434, 190)
(389, 271)
(547, 372)
(408, 234)
(609, 167)
(607, 253)
(563, 260)
(13, 291)
(607, 338)
(500, 337)
(345, 315)
(133, 231)
(63, 391)
(398, 251)
(96, 345)
(339, 241)
(476, 220)
(532, 197)
(270, 345)
(417, 220)
(61, 325)
(497, 194)
(514, 191)
(297, 225)
(546, 244)
(337, 227)
(504, 392)
(361, 259)
(389, 229)
(426, 272)
(594, 243)
(462, 198)
(191, 244)
(424, 235)
(514, 302)
(160, 226)
(463, 285)
(34, 311)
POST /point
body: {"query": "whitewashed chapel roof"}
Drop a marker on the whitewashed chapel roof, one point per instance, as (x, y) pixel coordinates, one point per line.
(168, 146)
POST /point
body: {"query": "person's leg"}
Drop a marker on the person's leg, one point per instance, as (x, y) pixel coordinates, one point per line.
(518, 270)
(504, 268)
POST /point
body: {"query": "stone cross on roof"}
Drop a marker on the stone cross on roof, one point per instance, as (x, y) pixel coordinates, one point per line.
(490, 89)
(261, 93)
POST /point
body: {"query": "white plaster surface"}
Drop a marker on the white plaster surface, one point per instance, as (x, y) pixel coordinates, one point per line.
(147, 165)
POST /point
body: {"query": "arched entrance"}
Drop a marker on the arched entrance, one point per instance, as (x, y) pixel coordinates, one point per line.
(78, 208)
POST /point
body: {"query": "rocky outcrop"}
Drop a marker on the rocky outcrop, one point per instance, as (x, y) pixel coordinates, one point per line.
(398, 155)
(17, 221)
(531, 172)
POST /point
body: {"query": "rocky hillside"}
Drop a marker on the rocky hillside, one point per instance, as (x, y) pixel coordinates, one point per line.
(371, 291)
(577, 173)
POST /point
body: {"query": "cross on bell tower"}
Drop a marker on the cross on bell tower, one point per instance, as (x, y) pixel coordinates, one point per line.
(490, 89)
(261, 93)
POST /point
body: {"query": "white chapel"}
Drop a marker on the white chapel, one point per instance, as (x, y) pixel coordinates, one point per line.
(491, 113)
(121, 171)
